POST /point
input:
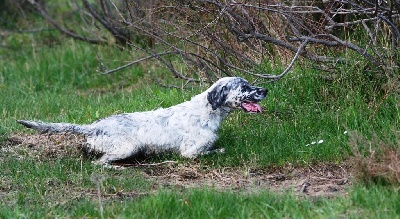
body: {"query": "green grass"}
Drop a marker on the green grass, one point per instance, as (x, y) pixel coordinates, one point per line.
(211, 204)
(216, 204)
(60, 83)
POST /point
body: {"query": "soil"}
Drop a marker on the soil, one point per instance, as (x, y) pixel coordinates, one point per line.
(322, 180)
(318, 180)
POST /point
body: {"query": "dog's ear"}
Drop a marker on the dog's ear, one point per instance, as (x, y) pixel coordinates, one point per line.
(217, 96)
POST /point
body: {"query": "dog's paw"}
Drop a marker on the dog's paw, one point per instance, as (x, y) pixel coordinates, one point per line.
(117, 167)
(108, 166)
(215, 151)
(220, 150)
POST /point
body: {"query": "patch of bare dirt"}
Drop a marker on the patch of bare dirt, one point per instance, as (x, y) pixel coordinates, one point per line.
(320, 180)
(43, 145)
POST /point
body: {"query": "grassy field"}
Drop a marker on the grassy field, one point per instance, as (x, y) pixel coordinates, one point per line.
(60, 83)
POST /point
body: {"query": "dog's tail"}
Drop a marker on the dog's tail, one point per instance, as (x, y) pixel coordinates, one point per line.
(55, 127)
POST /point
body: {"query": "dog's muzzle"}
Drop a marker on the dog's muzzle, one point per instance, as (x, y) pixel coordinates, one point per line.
(251, 106)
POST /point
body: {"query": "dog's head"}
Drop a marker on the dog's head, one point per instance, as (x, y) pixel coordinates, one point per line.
(236, 93)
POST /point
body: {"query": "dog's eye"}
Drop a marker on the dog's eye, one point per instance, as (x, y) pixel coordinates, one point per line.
(245, 88)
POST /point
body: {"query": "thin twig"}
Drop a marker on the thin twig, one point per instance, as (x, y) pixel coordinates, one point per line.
(63, 30)
(134, 62)
(98, 179)
(158, 164)
(277, 77)
(386, 95)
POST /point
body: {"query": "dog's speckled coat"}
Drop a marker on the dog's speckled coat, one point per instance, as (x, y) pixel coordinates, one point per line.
(189, 128)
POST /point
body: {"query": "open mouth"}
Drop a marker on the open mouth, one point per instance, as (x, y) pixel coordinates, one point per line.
(250, 107)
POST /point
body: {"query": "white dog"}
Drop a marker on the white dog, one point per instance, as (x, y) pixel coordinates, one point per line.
(189, 128)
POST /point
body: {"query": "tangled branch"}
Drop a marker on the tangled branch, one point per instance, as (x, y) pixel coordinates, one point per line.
(201, 40)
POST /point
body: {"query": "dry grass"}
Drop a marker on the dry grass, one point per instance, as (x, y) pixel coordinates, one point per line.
(375, 161)
(39, 146)
(318, 180)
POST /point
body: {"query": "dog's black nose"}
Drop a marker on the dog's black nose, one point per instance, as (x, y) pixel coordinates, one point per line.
(262, 91)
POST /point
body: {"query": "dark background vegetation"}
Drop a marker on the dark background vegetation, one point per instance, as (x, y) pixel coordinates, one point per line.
(204, 39)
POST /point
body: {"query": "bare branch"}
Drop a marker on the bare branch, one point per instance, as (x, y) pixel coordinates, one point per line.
(121, 37)
(277, 77)
(202, 40)
(394, 28)
(134, 62)
(63, 30)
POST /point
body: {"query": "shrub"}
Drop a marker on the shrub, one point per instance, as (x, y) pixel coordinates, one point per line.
(375, 161)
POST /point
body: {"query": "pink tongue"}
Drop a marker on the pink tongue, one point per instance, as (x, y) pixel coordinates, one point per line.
(252, 107)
